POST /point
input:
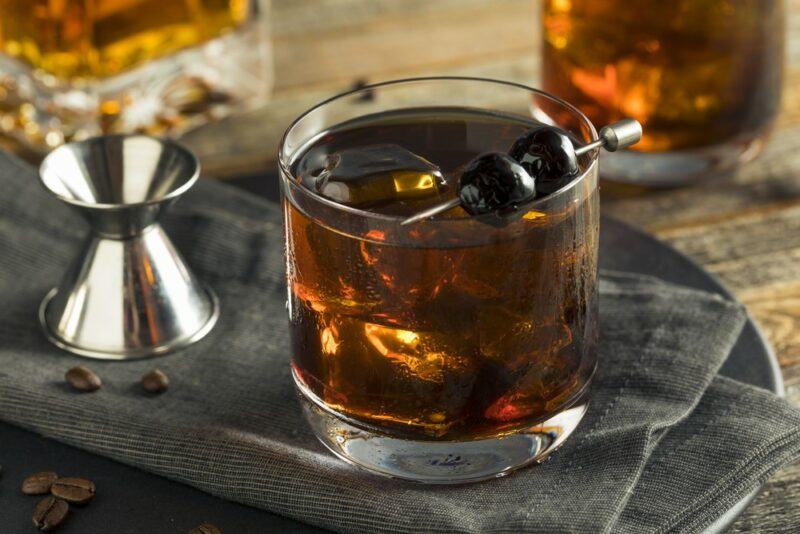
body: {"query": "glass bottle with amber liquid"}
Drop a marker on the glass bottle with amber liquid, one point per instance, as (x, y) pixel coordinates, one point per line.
(702, 76)
(70, 69)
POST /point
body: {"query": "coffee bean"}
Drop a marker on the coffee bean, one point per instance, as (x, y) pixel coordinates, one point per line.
(50, 513)
(206, 528)
(39, 483)
(155, 381)
(73, 490)
(83, 379)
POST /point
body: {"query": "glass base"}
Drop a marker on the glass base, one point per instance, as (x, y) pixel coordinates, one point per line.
(679, 167)
(439, 462)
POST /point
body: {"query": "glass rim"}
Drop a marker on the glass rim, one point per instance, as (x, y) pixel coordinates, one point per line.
(173, 144)
(286, 174)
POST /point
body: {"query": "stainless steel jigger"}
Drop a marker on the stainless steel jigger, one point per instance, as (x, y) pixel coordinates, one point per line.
(129, 293)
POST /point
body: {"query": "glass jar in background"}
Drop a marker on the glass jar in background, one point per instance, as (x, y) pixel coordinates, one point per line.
(70, 69)
(702, 76)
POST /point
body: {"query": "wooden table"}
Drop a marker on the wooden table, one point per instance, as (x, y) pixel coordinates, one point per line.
(745, 229)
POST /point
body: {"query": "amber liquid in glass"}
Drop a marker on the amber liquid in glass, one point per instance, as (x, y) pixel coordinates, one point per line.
(693, 72)
(450, 342)
(91, 39)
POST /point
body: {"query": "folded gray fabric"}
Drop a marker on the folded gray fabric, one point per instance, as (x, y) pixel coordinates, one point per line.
(666, 444)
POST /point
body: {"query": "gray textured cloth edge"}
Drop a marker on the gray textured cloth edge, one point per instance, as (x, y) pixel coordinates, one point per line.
(639, 462)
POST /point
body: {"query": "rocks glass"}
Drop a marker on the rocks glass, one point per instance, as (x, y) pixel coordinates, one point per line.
(455, 349)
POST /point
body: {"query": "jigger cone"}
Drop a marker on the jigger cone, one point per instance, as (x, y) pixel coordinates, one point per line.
(128, 294)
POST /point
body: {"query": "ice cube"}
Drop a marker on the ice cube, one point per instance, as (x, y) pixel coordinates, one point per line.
(546, 386)
(373, 175)
(518, 340)
(424, 355)
(520, 357)
(432, 372)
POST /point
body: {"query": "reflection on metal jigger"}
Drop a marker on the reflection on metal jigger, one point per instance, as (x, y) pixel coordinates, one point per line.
(129, 293)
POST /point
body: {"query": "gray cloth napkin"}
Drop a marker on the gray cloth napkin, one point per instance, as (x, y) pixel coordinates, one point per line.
(667, 445)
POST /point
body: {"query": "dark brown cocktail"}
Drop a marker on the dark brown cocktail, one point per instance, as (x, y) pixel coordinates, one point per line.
(448, 333)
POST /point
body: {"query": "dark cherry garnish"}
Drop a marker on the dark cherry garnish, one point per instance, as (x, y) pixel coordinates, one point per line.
(541, 161)
(548, 154)
(495, 183)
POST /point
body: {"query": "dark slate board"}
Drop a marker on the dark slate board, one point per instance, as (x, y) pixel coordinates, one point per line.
(131, 501)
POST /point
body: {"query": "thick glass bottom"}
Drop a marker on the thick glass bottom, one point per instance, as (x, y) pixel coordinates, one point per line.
(438, 462)
(680, 167)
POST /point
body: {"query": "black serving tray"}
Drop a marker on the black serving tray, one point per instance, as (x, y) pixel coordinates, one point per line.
(132, 501)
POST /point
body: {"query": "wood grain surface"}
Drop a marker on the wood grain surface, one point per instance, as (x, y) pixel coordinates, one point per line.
(744, 228)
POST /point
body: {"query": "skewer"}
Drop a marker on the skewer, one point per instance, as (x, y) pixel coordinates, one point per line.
(612, 137)
(430, 212)
(620, 134)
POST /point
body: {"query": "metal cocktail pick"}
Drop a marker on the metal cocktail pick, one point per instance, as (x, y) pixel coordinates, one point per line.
(129, 293)
(612, 137)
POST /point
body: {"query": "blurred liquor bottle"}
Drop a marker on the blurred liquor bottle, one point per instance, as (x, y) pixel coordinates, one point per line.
(70, 69)
(702, 76)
